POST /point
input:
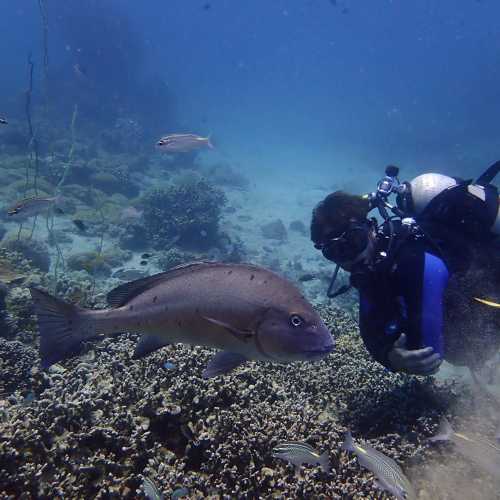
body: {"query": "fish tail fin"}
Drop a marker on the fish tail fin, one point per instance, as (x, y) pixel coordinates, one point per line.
(324, 461)
(444, 432)
(61, 328)
(209, 142)
(348, 444)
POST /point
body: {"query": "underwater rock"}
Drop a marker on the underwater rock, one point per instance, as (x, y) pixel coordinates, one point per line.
(274, 230)
(299, 227)
(187, 214)
(34, 250)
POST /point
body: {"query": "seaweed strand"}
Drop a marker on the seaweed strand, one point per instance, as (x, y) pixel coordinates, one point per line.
(45, 28)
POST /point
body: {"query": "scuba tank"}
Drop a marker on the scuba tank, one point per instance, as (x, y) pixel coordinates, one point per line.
(472, 208)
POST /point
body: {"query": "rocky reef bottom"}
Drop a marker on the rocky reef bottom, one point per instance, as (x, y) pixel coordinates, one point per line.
(95, 426)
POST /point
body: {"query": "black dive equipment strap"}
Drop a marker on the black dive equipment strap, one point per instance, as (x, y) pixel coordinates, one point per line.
(490, 173)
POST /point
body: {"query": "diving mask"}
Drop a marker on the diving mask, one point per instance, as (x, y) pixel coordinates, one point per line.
(348, 246)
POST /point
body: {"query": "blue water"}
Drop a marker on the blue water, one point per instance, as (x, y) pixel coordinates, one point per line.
(297, 85)
(301, 98)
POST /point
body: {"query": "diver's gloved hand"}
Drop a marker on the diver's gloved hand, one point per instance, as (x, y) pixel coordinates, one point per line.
(415, 362)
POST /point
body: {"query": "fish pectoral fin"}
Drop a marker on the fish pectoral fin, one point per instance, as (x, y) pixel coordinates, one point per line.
(148, 344)
(223, 362)
(240, 334)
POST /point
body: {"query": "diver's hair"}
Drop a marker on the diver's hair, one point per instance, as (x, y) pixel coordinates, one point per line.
(337, 210)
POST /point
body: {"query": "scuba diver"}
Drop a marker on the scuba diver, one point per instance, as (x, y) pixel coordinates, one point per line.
(428, 274)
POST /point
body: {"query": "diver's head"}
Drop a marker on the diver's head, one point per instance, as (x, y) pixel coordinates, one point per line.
(341, 230)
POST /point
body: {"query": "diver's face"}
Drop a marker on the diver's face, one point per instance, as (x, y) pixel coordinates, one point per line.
(366, 256)
(353, 246)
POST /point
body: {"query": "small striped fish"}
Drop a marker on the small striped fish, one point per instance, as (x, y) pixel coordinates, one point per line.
(301, 453)
(183, 143)
(390, 476)
(484, 454)
(151, 491)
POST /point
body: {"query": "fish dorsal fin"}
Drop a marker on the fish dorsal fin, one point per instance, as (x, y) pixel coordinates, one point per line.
(122, 294)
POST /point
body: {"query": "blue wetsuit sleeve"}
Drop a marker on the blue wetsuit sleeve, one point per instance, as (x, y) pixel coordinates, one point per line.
(423, 278)
(372, 325)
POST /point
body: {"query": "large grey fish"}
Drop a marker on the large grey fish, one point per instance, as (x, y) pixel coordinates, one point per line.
(183, 143)
(390, 476)
(301, 453)
(483, 453)
(34, 206)
(246, 311)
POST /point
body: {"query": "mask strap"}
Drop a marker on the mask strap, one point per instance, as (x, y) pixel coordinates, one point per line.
(343, 289)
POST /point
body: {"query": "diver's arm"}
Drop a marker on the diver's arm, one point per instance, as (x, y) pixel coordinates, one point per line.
(372, 323)
(422, 279)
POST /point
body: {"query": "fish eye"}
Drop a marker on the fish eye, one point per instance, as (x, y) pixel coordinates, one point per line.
(296, 320)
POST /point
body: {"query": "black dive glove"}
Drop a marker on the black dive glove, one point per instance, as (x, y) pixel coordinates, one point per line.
(415, 362)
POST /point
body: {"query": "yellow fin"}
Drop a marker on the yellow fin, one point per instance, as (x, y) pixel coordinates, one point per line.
(487, 302)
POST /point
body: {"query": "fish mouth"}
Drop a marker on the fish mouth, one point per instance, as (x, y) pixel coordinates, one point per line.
(320, 353)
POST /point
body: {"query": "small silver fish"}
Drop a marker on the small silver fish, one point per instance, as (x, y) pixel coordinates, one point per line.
(390, 476)
(183, 143)
(484, 454)
(301, 453)
(35, 205)
(150, 490)
(3, 121)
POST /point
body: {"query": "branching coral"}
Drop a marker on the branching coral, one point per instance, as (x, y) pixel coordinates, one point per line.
(186, 213)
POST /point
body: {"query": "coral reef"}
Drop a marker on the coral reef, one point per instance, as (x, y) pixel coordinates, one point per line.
(174, 257)
(16, 362)
(186, 213)
(96, 263)
(34, 250)
(133, 237)
(100, 423)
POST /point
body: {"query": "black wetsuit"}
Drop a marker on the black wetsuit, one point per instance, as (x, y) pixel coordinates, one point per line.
(402, 293)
